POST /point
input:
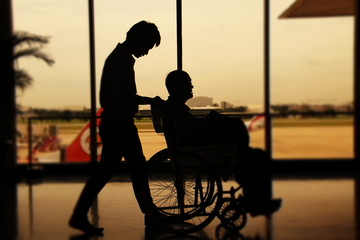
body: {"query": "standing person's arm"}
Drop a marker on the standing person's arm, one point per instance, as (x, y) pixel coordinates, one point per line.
(141, 100)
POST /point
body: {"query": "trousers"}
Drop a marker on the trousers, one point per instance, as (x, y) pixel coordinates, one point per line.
(120, 139)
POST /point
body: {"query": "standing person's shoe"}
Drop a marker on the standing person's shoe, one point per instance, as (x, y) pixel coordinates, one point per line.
(82, 223)
(151, 221)
(152, 216)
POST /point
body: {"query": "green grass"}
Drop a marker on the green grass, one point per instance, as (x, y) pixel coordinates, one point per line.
(312, 122)
(277, 122)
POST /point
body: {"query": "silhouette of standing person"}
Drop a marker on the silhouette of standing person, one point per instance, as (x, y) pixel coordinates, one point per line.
(119, 99)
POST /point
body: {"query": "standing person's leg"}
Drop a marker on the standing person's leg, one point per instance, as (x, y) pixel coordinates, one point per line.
(102, 173)
(93, 186)
(137, 165)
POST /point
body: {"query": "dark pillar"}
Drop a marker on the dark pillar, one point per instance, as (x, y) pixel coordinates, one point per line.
(93, 127)
(179, 33)
(7, 95)
(8, 196)
(356, 86)
(357, 118)
(267, 78)
(8, 210)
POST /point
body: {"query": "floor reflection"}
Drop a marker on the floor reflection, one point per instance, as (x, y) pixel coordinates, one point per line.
(220, 234)
(8, 210)
(312, 209)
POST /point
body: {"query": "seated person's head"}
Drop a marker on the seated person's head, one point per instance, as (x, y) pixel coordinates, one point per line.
(179, 86)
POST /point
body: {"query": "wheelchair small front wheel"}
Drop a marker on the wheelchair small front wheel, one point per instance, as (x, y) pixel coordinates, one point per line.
(233, 217)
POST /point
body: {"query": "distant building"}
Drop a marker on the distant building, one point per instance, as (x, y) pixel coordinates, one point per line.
(200, 102)
(225, 105)
(345, 107)
(74, 108)
(255, 108)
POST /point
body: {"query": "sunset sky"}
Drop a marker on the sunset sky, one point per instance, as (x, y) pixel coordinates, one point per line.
(312, 59)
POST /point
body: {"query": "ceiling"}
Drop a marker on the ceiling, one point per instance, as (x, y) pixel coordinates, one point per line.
(319, 8)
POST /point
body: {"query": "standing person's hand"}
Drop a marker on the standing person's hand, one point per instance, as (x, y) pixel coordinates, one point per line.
(157, 101)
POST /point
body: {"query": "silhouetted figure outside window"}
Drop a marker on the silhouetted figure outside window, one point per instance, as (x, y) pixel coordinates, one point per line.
(252, 171)
(119, 99)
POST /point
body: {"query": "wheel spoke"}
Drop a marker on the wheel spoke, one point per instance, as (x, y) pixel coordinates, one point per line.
(197, 188)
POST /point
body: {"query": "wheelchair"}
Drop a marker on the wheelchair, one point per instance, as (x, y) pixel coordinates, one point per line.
(186, 183)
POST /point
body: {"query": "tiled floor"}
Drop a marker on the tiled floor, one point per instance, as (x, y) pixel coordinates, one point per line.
(312, 209)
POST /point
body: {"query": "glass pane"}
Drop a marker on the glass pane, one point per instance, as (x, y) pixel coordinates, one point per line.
(115, 17)
(312, 73)
(257, 138)
(62, 86)
(66, 85)
(55, 141)
(309, 138)
(223, 51)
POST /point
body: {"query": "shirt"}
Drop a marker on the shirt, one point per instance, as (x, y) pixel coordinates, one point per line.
(194, 131)
(118, 87)
(185, 121)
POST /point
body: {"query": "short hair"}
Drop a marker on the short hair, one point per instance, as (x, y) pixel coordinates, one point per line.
(174, 79)
(144, 30)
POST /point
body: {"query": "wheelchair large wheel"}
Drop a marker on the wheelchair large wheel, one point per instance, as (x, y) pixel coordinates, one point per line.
(188, 196)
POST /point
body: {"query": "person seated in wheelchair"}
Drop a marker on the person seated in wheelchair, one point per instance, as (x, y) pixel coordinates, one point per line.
(252, 171)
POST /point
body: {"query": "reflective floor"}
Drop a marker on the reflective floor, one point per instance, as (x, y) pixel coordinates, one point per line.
(312, 209)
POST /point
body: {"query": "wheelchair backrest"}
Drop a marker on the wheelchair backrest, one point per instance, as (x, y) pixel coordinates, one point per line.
(157, 118)
(164, 122)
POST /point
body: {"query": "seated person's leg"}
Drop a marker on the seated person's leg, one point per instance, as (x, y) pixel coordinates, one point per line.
(253, 173)
(222, 130)
(234, 127)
